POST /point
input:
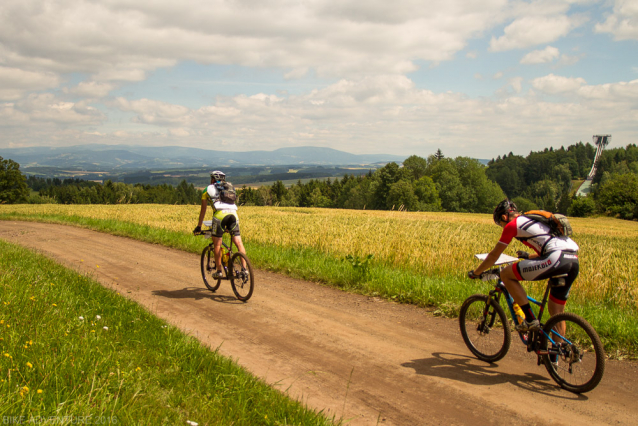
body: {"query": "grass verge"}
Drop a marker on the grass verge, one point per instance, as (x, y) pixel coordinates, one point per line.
(616, 325)
(72, 352)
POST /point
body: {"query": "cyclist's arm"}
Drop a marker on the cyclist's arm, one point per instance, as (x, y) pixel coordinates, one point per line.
(491, 258)
(202, 212)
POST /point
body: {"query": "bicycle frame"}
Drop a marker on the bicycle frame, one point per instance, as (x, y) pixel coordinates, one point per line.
(500, 289)
(225, 248)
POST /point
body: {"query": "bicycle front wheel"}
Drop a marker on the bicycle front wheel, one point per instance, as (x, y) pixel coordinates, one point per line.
(242, 279)
(485, 328)
(577, 359)
(208, 268)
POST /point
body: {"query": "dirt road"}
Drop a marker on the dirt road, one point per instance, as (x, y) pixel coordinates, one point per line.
(356, 357)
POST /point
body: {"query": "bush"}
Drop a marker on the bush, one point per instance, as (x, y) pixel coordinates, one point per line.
(524, 205)
(582, 207)
(619, 195)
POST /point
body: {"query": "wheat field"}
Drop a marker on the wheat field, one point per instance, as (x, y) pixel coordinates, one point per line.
(433, 244)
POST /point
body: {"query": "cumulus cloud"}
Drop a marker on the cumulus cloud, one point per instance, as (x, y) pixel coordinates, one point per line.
(92, 89)
(360, 51)
(546, 55)
(623, 22)
(622, 91)
(517, 84)
(553, 84)
(368, 114)
(46, 108)
(15, 82)
(116, 40)
(534, 30)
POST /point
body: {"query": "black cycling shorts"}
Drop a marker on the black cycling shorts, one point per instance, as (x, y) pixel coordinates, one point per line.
(550, 265)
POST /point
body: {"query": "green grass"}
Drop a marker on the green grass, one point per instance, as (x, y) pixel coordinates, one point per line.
(60, 361)
(616, 325)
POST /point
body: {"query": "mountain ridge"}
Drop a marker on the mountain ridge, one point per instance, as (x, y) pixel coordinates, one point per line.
(139, 157)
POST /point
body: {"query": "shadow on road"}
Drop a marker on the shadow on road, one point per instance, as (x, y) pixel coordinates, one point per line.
(197, 293)
(470, 370)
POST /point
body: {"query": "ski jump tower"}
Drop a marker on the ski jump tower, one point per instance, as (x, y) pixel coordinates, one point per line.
(601, 141)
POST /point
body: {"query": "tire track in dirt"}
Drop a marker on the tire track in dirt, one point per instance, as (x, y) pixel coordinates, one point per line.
(360, 358)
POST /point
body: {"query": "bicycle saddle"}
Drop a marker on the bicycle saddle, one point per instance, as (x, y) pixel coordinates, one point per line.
(228, 223)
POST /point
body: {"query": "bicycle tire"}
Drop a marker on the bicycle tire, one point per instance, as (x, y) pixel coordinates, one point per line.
(584, 374)
(486, 333)
(242, 281)
(208, 267)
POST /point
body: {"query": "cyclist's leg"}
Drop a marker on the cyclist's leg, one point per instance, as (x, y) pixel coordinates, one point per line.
(217, 246)
(513, 285)
(238, 242)
(235, 235)
(568, 264)
(218, 233)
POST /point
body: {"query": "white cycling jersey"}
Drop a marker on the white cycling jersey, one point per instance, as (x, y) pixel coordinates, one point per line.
(535, 235)
(213, 194)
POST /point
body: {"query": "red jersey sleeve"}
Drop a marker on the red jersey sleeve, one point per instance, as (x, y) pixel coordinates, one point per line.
(509, 232)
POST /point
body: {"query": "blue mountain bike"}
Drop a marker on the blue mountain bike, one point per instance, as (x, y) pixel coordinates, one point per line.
(567, 344)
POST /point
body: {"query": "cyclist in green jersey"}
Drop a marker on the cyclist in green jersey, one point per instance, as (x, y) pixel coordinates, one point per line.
(224, 216)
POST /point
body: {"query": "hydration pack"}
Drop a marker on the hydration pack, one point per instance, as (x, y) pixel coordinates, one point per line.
(227, 193)
(558, 224)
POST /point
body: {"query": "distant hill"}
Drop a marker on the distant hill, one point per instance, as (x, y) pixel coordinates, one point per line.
(96, 157)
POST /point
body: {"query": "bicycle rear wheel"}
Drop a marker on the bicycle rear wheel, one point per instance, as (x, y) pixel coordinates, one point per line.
(580, 362)
(241, 275)
(208, 268)
(485, 328)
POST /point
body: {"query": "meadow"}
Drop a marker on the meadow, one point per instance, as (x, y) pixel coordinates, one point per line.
(419, 258)
(73, 352)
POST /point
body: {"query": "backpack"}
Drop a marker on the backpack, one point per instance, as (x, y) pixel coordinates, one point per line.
(227, 193)
(558, 224)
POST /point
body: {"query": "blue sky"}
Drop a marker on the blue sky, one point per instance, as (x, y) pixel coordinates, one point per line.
(472, 77)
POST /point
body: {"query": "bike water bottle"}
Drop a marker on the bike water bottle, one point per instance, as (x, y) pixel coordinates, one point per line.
(519, 313)
(225, 259)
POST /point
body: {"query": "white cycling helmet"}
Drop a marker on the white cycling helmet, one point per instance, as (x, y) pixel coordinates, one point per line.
(218, 176)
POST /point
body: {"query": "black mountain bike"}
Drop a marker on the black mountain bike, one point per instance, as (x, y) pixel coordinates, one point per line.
(235, 265)
(566, 344)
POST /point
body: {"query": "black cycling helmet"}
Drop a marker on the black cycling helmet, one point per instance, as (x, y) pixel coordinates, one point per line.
(218, 176)
(504, 207)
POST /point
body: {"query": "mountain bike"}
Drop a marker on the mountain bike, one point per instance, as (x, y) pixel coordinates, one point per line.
(235, 265)
(574, 358)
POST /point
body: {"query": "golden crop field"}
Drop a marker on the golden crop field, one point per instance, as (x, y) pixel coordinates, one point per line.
(434, 244)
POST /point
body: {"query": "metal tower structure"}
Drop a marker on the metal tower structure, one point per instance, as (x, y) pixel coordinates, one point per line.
(601, 141)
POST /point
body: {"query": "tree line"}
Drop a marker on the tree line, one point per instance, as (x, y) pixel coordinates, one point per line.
(432, 184)
(545, 180)
(77, 191)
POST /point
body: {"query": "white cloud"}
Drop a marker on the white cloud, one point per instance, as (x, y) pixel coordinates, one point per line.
(546, 55)
(15, 82)
(623, 22)
(622, 91)
(517, 84)
(566, 60)
(366, 103)
(554, 84)
(534, 30)
(46, 108)
(92, 89)
(367, 114)
(117, 40)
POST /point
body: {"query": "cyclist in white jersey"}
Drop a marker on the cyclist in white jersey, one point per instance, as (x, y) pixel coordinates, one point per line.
(224, 216)
(553, 255)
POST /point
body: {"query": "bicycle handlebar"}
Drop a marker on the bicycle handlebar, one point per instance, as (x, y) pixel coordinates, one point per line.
(491, 274)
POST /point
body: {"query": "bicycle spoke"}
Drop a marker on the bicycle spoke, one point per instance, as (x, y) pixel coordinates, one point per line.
(576, 359)
(483, 329)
